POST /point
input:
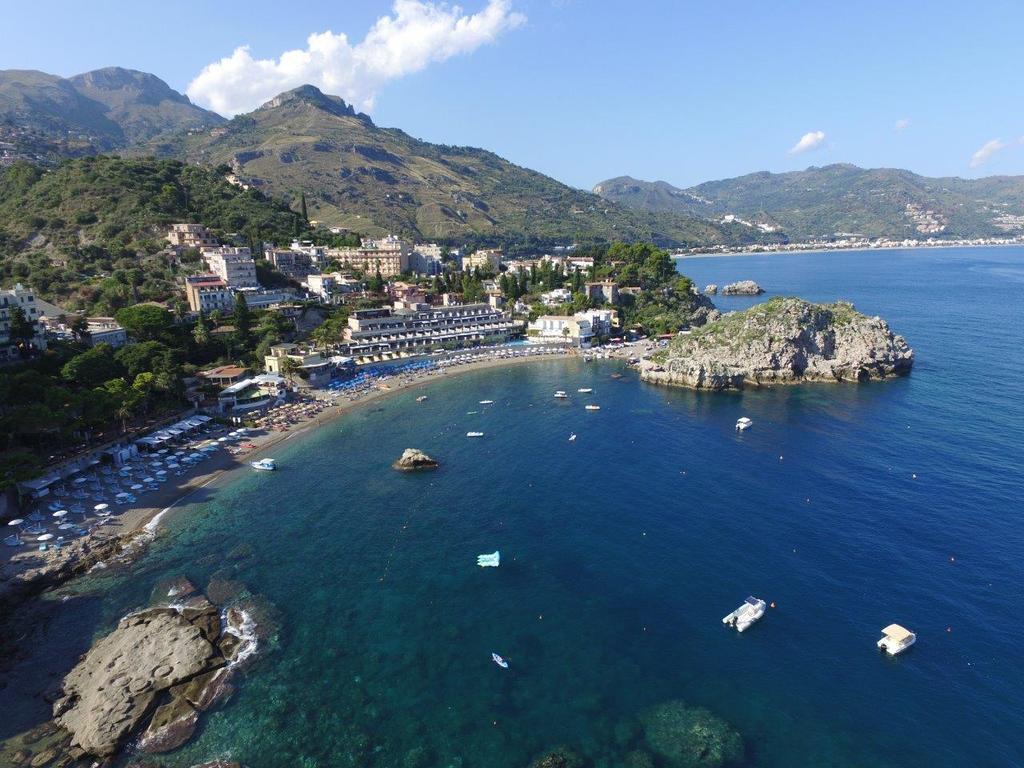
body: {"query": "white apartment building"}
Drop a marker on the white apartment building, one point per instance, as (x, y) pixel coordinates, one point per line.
(206, 293)
(235, 266)
(18, 296)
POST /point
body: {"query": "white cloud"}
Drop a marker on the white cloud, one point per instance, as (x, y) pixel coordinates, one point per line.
(417, 34)
(902, 124)
(807, 142)
(986, 151)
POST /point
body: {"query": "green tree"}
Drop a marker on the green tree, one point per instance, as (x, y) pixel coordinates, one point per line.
(80, 328)
(242, 319)
(144, 322)
(92, 367)
(201, 332)
(305, 216)
(21, 330)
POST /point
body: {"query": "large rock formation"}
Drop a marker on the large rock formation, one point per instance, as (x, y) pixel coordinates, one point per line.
(413, 459)
(690, 737)
(783, 341)
(160, 667)
(743, 288)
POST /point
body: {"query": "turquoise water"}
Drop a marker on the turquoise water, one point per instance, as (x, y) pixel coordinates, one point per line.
(622, 551)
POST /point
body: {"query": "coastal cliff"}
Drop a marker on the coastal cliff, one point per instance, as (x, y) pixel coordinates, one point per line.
(782, 341)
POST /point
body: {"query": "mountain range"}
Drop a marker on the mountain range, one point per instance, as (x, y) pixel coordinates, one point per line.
(838, 200)
(369, 179)
(98, 111)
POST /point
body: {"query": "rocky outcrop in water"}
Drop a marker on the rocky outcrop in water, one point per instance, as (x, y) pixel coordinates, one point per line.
(561, 757)
(159, 668)
(690, 737)
(742, 288)
(783, 341)
(711, 289)
(413, 459)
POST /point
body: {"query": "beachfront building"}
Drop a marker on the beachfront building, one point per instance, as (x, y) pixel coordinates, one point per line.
(309, 366)
(266, 298)
(390, 256)
(19, 296)
(235, 266)
(332, 288)
(582, 329)
(413, 327)
(223, 375)
(196, 236)
(485, 259)
(256, 392)
(206, 293)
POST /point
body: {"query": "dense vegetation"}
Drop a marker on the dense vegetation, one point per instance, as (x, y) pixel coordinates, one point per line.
(88, 234)
(842, 198)
(73, 396)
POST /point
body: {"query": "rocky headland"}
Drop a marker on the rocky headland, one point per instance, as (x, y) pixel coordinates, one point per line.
(148, 681)
(742, 288)
(782, 341)
(413, 459)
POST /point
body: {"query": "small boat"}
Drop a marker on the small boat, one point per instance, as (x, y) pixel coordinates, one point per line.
(492, 560)
(499, 661)
(486, 402)
(471, 413)
(592, 407)
(743, 423)
(421, 398)
(266, 465)
(751, 610)
(572, 438)
(585, 390)
(561, 395)
(474, 434)
(896, 639)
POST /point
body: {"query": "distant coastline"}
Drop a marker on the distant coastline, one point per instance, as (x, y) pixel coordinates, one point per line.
(859, 246)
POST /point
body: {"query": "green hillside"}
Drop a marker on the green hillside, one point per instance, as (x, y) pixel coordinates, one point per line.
(363, 177)
(821, 202)
(86, 234)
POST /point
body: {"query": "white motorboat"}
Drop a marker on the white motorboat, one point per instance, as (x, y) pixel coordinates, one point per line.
(572, 438)
(493, 560)
(751, 610)
(560, 394)
(474, 434)
(743, 423)
(265, 465)
(486, 402)
(896, 639)
(499, 661)
(592, 407)
(421, 398)
(585, 390)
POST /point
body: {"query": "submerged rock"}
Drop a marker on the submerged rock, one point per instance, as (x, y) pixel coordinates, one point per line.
(782, 341)
(742, 288)
(560, 757)
(413, 459)
(690, 737)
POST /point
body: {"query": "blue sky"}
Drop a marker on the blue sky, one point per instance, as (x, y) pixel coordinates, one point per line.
(584, 90)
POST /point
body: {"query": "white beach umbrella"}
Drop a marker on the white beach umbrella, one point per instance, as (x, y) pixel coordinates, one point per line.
(45, 537)
(101, 507)
(60, 513)
(137, 487)
(16, 521)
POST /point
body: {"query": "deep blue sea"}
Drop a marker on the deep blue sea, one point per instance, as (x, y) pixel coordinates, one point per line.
(622, 551)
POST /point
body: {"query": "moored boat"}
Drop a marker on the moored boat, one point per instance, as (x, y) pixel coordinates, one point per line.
(751, 610)
(474, 434)
(486, 402)
(743, 423)
(592, 407)
(585, 390)
(896, 639)
(265, 465)
(560, 394)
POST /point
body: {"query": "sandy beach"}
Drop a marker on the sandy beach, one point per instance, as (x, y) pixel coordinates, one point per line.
(26, 571)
